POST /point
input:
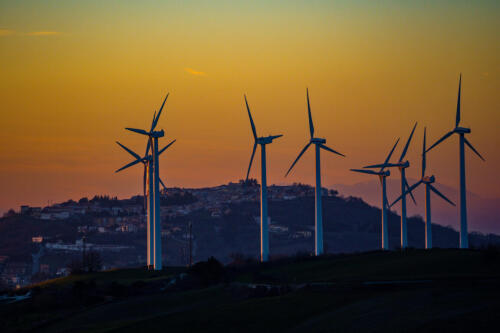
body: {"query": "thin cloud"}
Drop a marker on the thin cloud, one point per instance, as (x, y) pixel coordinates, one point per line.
(6, 32)
(194, 72)
(43, 33)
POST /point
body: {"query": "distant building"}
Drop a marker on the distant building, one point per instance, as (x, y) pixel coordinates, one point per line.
(128, 228)
(37, 239)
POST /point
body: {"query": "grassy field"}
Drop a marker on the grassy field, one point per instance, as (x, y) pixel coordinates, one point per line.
(413, 291)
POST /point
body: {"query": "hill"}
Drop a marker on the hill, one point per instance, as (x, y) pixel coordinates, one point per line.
(225, 223)
(483, 213)
(411, 291)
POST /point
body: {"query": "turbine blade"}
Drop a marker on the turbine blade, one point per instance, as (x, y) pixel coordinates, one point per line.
(161, 182)
(150, 146)
(370, 172)
(441, 195)
(446, 136)
(390, 154)
(311, 126)
(387, 202)
(159, 113)
(137, 131)
(407, 143)
(424, 161)
(164, 148)
(410, 192)
(153, 121)
(330, 150)
(383, 165)
(473, 149)
(129, 165)
(298, 157)
(457, 121)
(128, 150)
(147, 147)
(411, 188)
(254, 131)
(251, 159)
(276, 136)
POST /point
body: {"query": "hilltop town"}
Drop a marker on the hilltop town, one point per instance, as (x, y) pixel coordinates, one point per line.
(116, 228)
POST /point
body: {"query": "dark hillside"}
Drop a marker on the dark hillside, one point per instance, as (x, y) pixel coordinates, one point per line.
(411, 291)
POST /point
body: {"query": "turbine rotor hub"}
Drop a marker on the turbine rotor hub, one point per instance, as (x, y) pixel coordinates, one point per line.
(318, 140)
(462, 130)
(264, 140)
(429, 179)
(157, 134)
(404, 165)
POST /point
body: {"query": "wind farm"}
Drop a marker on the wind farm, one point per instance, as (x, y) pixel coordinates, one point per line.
(151, 184)
(428, 181)
(404, 185)
(263, 166)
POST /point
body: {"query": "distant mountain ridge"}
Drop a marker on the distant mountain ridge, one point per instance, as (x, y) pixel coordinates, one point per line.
(483, 213)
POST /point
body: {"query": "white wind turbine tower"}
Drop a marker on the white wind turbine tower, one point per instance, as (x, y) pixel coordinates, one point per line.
(382, 174)
(148, 187)
(461, 131)
(404, 186)
(319, 143)
(262, 141)
(153, 144)
(428, 188)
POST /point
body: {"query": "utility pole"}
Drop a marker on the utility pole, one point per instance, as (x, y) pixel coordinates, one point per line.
(190, 244)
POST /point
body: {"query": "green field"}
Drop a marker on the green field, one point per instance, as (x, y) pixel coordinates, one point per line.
(410, 291)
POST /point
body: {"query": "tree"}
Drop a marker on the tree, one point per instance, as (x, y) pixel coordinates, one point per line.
(83, 200)
(10, 213)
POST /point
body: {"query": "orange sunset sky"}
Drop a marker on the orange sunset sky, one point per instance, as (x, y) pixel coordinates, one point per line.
(74, 74)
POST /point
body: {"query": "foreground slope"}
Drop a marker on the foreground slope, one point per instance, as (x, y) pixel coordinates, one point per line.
(408, 291)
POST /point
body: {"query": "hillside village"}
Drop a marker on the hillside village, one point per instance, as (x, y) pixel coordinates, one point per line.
(116, 228)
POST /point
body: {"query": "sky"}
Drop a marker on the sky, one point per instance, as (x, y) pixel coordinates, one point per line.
(74, 74)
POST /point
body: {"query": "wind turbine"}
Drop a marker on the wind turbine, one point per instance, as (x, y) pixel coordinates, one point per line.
(153, 144)
(319, 143)
(404, 185)
(461, 131)
(428, 188)
(382, 174)
(262, 141)
(148, 186)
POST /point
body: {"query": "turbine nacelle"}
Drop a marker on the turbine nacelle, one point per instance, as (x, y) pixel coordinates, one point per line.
(404, 165)
(152, 134)
(264, 140)
(157, 134)
(461, 130)
(429, 179)
(318, 141)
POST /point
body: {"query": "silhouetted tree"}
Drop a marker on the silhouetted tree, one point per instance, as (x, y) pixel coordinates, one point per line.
(10, 213)
(83, 200)
(209, 272)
